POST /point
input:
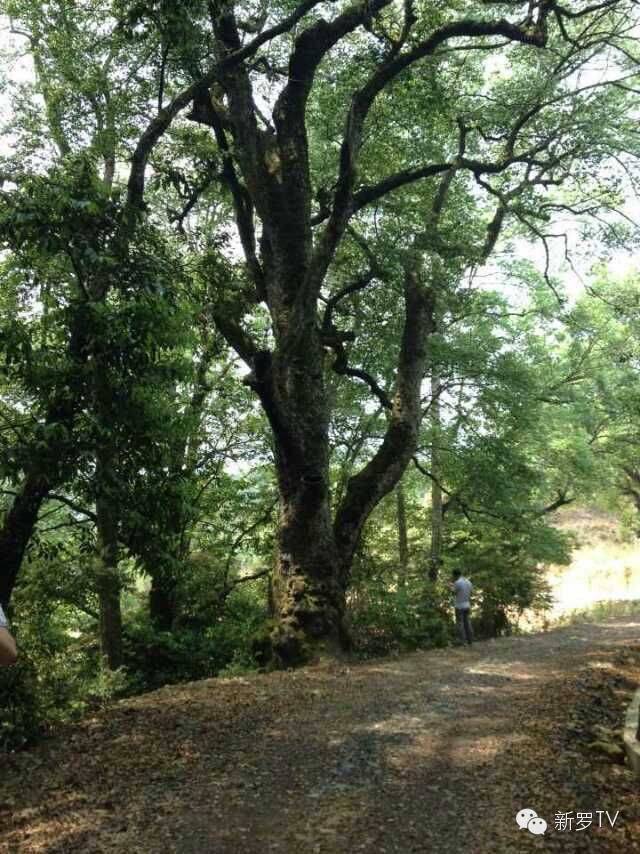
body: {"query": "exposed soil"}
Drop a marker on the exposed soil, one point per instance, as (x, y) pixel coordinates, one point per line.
(431, 752)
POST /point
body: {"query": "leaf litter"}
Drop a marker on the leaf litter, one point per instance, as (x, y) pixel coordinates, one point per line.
(435, 751)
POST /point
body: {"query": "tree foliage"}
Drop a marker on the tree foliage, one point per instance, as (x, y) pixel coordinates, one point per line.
(266, 265)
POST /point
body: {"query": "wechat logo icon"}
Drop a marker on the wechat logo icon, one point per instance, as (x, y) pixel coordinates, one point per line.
(531, 820)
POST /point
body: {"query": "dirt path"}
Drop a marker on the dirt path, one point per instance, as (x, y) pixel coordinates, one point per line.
(432, 752)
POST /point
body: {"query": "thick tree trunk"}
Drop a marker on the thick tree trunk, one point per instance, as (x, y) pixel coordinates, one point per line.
(307, 596)
(17, 530)
(314, 557)
(308, 599)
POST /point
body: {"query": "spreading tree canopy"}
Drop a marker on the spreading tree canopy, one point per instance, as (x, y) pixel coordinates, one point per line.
(315, 167)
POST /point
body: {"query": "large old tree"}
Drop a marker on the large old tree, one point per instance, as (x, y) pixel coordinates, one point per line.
(292, 215)
(319, 116)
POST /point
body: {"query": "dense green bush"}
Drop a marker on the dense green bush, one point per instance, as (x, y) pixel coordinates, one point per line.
(21, 712)
(204, 646)
(385, 617)
(60, 675)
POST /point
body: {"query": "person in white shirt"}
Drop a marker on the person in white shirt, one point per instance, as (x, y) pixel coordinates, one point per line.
(8, 651)
(462, 589)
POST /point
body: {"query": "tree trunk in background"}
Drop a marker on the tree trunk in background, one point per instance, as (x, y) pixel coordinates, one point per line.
(45, 473)
(437, 519)
(17, 530)
(171, 547)
(107, 578)
(403, 544)
(162, 600)
(107, 510)
(161, 559)
(631, 487)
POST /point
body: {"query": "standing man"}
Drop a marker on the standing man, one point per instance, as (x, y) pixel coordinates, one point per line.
(8, 652)
(462, 588)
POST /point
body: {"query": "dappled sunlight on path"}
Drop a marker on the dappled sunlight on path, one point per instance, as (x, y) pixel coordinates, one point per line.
(434, 751)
